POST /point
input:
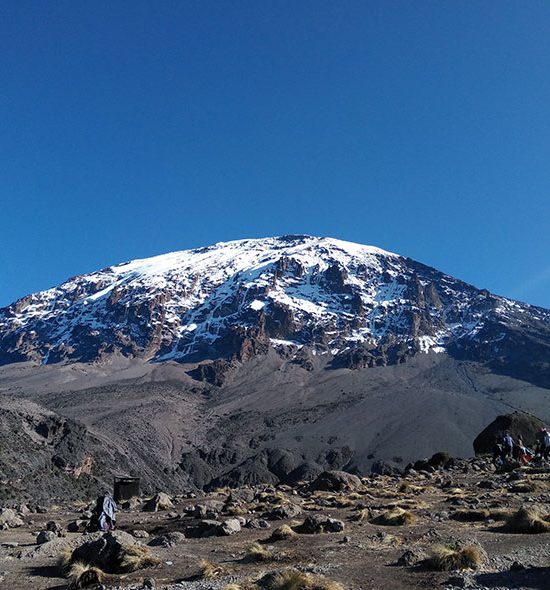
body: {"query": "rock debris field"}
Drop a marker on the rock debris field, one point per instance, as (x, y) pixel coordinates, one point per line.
(444, 524)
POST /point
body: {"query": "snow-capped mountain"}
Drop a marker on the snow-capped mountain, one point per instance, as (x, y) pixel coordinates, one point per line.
(359, 304)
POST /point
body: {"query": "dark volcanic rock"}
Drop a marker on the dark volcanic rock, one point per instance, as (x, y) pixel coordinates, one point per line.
(320, 523)
(335, 481)
(519, 424)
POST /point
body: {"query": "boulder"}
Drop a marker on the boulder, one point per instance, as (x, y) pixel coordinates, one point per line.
(110, 552)
(242, 495)
(382, 468)
(335, 481)
(283, 512)
(45, 537)
(160, 501)
(77, 526)
(320, 523)
(411, 557)
(168, 540)
(230, 527)
(9, 519)
(518, 424)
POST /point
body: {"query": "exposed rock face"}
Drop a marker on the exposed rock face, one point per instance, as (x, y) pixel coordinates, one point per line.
(362, 305)
(44, 454)
(518, 424)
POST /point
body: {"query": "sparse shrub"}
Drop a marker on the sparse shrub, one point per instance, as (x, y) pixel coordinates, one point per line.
(296, 580)
(528, 520)
(257, 552)
(210, 570)
(137, 557)
(362, 515)
(281, 533)
(394, 517)
(82, 575)
(455, 557)
(500, 514)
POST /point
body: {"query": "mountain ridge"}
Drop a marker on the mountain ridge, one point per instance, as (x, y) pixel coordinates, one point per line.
(360, 304)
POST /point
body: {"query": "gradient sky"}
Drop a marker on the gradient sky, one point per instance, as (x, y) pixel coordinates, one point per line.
(134, 128)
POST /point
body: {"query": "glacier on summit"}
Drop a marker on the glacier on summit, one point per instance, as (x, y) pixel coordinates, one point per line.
(359, 304)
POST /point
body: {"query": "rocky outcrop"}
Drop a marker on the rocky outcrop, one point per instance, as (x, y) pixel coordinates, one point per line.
(518, 424)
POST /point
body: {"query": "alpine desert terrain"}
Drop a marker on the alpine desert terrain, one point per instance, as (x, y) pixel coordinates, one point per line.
(230, 379)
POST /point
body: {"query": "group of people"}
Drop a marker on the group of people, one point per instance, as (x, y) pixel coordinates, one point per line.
(507, 449)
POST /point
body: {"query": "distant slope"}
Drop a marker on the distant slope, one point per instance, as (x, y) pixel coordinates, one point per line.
(275, 421)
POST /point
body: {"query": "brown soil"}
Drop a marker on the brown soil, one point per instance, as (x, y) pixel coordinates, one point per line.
(361, 557)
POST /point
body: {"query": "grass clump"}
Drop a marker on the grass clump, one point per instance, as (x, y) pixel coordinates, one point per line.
(394, 517)
(81, 575)
(524, 487)
(283, 532)
(529, 521)
(209, 570)
(362, 515)
(455, 557)
(500, 513)
(257, 552)
(296, 580)
(137, 557)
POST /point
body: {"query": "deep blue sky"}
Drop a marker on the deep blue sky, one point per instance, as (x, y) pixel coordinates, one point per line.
(134, 128)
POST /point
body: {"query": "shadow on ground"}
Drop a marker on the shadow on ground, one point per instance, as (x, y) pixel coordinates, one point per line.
(536, 578)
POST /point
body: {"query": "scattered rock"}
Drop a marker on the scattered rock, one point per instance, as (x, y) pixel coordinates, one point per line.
(411, 557)
(9, 519)
(320, 523)
(45, 537)
(335, 481)
(284, 512)
(160, 501)
(168, 540)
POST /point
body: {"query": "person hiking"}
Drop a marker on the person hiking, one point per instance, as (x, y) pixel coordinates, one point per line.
(546, 446)
(539, 442)
(507, 446)
(105, 512)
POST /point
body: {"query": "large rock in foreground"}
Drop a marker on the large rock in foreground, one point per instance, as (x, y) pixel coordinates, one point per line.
(335, 481)
(518, 424)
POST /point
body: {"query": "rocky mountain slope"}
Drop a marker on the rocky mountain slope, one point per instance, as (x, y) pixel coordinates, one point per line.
(261, 361)
(359, 304)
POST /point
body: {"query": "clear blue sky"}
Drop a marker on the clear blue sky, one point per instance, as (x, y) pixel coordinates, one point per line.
(135, 128)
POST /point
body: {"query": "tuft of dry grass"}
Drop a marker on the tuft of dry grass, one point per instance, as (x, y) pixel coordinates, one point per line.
(210, 570)
(244, 585)
(257, 552)
(81, 575)
(137, 557)
(453, 557)
(500, 513)
(362, 515)
(395, 517)
(296, 580)
(64, 560)
(281, 533)
(524, 487)
(529, 521)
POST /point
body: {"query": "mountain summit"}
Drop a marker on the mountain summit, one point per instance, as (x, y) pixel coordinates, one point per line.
(359, 305)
